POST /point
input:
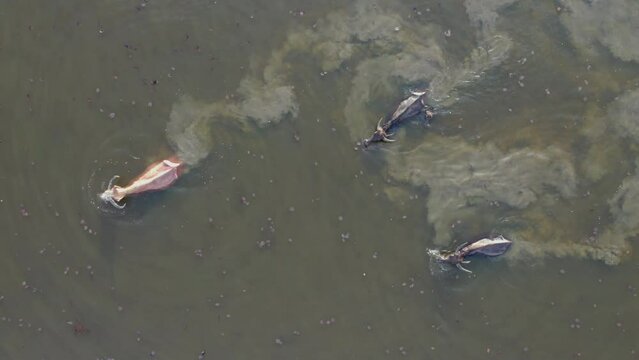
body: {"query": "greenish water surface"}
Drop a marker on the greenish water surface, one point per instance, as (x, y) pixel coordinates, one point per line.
(285, 239)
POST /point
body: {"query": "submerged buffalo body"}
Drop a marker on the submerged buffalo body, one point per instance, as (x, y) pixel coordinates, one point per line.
(488, 247)
(409, 107)
(157, 176)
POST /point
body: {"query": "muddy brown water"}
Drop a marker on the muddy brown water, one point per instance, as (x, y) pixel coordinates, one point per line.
(285, 242)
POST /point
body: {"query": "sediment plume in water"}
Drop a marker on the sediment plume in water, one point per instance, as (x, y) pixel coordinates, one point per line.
(493, 48)
(611, 251)
(188, 129)
(264, 102)
(463, 178)
(406, 55)
(259, 103)
(483, 14)
(391, 55)
(624, 115)
(520, 192)
(612, 24)
(624, 208)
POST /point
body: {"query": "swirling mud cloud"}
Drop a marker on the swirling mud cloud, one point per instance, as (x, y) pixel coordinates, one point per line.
(391, 54)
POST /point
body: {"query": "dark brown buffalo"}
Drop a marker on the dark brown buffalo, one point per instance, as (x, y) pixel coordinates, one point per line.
(488, 247)
(411, 106)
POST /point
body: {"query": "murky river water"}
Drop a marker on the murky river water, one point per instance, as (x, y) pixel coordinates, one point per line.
(286, 240)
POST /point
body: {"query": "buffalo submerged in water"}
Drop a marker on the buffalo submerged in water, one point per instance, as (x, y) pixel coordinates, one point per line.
(158, 176)
(411, 106)
(487, 247)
